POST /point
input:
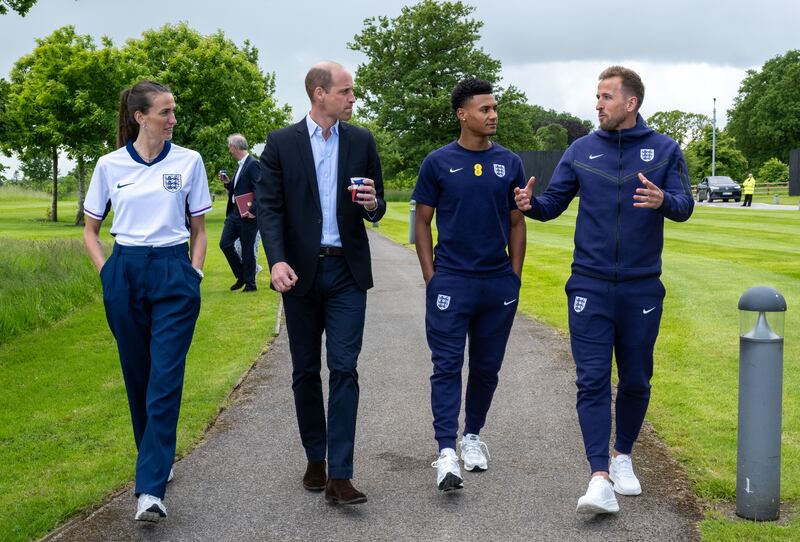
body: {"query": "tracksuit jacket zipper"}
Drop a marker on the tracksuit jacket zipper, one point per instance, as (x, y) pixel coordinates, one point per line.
(619, 207)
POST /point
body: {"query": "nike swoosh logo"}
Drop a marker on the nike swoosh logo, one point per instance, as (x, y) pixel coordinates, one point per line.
(454, 170)
(593, 156)
(506, 303)
(124, 185)
(648, 311)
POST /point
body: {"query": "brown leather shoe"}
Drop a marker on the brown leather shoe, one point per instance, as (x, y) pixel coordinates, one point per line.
(315, 476)
(339, 491)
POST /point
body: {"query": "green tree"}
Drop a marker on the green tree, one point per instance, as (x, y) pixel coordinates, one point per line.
(765, 118)
(4, 123)
(5, 126)
(513, 124)
(67, 186)
(20, 6)
(681, 126)
(729, 160)
(773, 171)
(390, 153)
(552, 137)
(218, 88)
(694, 165)
(97, 76)
(413, 62)
(538, 117)
(58, 100)
(36, 173)
(574, 126)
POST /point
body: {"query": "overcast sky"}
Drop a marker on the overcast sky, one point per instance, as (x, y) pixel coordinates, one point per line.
(687, 51)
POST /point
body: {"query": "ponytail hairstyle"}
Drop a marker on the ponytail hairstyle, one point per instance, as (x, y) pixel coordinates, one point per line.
(137, 98)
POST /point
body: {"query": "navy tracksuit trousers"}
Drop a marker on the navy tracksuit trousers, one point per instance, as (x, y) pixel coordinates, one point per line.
(620, 318)
(152, 300)
(482, 309)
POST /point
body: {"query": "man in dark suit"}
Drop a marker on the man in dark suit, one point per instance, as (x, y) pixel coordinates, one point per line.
(237, 225)
(311, 218)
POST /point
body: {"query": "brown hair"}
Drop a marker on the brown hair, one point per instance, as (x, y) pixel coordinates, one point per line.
(320, 75)
(137, 98)
(631, 82)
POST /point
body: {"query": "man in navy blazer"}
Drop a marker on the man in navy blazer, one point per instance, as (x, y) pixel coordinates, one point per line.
(237, 225)
(311, 217)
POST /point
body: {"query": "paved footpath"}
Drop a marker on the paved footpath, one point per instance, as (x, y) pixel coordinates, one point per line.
(243, 482)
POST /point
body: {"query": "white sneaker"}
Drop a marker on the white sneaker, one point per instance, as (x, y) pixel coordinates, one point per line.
(599, 498)
(448, 473)
(621, 473)
(150, 508)
(171, 475)
(472, 453)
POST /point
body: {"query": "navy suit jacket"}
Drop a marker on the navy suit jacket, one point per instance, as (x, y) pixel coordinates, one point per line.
(289, 212)
(244, 184)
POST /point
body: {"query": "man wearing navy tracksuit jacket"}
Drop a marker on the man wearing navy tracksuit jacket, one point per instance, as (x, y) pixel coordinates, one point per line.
(630, 178)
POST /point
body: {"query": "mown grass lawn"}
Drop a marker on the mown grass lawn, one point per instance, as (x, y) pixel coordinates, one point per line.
(65, 436)
(66, 443)
(708, 263)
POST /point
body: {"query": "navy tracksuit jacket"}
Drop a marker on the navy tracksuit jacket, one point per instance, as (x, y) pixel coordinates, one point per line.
(614, 295)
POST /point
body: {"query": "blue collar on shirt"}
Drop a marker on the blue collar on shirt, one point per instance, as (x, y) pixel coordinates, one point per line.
(136, 158)
(313, 127)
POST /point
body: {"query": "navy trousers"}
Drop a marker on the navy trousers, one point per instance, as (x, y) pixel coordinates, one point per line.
(336, 305)
(245, 230)
(152, 300)
(481, 309)
(619, 318)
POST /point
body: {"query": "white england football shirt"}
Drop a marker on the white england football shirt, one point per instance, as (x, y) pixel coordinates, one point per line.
(150, 201)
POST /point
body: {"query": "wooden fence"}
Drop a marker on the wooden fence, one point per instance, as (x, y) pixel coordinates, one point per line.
(771, 188)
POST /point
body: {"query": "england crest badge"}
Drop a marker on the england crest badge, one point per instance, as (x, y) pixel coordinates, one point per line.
(442, 302)
(579, 304)
(499, 170)
(172, 182)
(647, 154)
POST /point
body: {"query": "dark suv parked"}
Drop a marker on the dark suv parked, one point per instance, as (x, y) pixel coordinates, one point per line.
(718, 187)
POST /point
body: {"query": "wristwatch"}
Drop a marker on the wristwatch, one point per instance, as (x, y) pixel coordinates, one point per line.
(199, 272)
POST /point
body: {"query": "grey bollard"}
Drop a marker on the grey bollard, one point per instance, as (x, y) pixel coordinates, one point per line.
(776, 199)
(758, 461)
(412, 216)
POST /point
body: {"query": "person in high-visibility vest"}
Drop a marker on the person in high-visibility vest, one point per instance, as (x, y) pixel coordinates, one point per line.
(749, 186)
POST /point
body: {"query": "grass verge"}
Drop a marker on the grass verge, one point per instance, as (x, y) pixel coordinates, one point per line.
(65, 436)
(42, 282)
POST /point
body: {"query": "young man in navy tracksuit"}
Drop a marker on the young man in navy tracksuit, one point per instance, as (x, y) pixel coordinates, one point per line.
(630, 179)
(472, 283)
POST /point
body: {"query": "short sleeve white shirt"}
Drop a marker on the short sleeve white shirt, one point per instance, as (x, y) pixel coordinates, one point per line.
(150, 201)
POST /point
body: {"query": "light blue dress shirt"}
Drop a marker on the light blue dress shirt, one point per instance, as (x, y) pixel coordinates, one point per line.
(326, 164)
